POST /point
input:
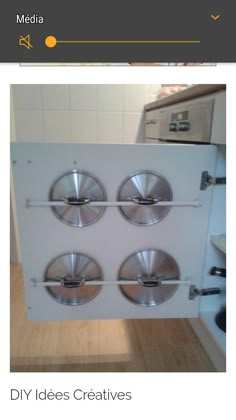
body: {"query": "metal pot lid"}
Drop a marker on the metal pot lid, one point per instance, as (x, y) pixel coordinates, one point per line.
(73, 269)
(77, 188)
(145, 188)
(149, 267)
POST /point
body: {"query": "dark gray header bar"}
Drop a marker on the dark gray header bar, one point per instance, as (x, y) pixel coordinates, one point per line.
(118, 31)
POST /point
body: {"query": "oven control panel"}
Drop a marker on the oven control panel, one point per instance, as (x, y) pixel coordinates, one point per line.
(187, 122)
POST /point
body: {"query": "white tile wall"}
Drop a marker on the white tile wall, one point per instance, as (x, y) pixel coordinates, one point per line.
(135, 97)
(84, 126)
(133, 125)
(83, 113)
(55, 97)
(110, 98)
(110, 127)
(27, 96)
(57, 126)
(29, 125)
(83, 97)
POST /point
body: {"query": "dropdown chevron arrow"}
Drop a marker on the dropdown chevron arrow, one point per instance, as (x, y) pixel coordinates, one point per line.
(215, 17)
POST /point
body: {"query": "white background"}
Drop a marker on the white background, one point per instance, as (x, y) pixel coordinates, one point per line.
(166, 395)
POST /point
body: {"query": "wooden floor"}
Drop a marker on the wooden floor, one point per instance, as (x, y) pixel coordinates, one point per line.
(101, 346)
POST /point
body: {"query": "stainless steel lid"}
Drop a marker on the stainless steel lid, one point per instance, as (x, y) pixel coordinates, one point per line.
(73, 269)
(144, 188)
(77, 188)
(149, 267)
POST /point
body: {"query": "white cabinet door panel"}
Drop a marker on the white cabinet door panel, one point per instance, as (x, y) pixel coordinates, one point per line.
(181, 233)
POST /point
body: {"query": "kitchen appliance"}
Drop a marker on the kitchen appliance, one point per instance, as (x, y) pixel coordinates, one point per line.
(113, 238)
(199, 120)
(187, 123)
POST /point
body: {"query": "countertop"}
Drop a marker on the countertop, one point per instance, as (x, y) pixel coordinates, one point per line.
(185, 95)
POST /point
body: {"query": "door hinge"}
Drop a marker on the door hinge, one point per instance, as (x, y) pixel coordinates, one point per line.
(194, 292)
(207, 180)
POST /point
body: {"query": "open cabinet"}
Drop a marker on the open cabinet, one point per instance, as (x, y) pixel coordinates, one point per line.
(212, 337)
(121, 231)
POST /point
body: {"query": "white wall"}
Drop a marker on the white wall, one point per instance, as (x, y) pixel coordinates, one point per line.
(80, 113)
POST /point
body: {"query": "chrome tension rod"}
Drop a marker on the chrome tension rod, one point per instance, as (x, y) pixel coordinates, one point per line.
(194, 203)
(87, 282)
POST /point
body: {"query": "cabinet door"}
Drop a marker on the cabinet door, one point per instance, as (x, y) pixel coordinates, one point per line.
(152, 124)
(138, 240)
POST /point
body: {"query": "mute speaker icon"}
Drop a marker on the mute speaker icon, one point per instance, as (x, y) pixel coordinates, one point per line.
(24, 41)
